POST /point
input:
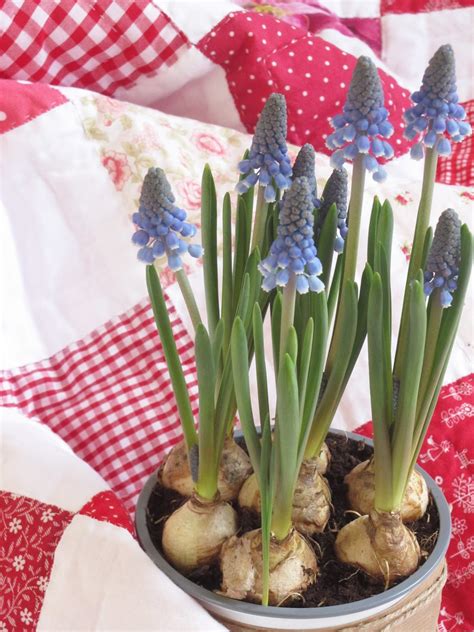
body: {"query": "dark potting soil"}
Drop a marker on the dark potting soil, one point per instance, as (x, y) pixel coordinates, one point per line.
(337, 583)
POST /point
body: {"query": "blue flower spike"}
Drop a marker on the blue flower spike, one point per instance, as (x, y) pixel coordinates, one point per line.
(162, 226)
(335, 192)
(442, 267)
(363, 127)
(268, 163)
(293, 252)
(436, 118)
(304, 167)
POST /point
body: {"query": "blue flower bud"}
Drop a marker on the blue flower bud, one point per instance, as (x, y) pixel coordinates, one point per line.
(162, 223)
(442, 266)
(443, 147)
(268, 156)
(140, 238)
(364, 118)
(293, 252)
(437, 111)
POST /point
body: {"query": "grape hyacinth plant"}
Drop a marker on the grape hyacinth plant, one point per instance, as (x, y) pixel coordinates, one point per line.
(288, 565)
(387, 491)
(435, 116)
(208, 467)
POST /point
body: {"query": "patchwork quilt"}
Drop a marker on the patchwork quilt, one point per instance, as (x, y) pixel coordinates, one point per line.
(91, 96)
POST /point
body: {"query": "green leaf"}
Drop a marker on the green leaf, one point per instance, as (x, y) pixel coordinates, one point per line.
(335, 287)
(380, 395)
(242, 243)
(266, 494)
(426, 246)
(318, 357)
(305, 360)
(276, 327)
(227, 281)
(292, 344)
(217, 345)
(209, 242)
(382, 266)
(160, 312)
(409, 385)
(373, 224)
(326, 244)
(207, 479)
(385, 230)
(286, 446)
(336, 366)
(262, 385)
(240, 369)
(361, 330)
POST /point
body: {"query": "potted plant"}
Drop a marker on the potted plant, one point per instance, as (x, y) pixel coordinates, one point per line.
(263, 558)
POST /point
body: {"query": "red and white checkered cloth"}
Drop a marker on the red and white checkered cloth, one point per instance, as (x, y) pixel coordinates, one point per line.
(101, 45)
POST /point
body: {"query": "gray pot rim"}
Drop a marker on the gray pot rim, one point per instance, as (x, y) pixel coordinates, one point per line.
(303, 614)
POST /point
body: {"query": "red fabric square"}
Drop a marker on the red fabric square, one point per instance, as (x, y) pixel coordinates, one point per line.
(106, 507)
(20, 103)
(29, 535)
(261, 55)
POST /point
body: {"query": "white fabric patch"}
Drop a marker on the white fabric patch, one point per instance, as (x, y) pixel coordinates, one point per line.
(66, 263)
(422, 34)
(197, 17)
(36, 463)
(102, 580)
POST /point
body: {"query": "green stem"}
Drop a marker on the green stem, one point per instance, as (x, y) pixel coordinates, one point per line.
(354, 216)
(422, 223)
(287, 314)
(260, 220)
(188, 296)
(281, 519)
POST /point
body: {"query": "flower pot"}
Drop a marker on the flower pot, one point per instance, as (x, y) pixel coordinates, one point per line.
(411, 605)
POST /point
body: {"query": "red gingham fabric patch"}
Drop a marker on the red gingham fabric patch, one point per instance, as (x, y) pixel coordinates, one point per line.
(29, 535)
(101, 46)
(109, 397)
(106, 507)
(20, 103)
(459, 167)
(261, 55)
(447, 455)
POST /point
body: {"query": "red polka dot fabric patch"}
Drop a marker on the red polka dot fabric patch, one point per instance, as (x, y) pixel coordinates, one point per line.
(262, 55)
(29, 535)
(106, 507)
(21, 103)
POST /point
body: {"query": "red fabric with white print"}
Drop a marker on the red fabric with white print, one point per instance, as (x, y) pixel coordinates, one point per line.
(261, 55)
(30, 532)
(110, 398)
(100, 45)
(448, 456)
